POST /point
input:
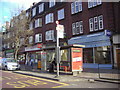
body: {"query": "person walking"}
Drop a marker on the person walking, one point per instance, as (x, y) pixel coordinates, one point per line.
(31, 62)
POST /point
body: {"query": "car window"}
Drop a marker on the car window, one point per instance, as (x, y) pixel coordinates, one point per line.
(11, 60)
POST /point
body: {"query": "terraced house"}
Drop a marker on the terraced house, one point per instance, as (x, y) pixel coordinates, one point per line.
(93, 24)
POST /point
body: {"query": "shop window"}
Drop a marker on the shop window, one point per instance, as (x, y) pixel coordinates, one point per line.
(64, 54)
(88, 55)
(103, 55)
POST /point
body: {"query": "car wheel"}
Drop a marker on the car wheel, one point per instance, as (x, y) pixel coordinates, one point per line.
(6, 68)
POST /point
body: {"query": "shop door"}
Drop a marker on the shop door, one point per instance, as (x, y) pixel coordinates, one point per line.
(118, 57)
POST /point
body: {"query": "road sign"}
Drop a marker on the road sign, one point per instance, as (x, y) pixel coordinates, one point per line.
(60, 30)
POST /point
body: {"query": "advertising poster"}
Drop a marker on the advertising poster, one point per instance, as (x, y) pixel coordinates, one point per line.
(77, 59)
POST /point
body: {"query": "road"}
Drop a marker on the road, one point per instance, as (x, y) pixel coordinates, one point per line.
(13, 80)
(9, 79)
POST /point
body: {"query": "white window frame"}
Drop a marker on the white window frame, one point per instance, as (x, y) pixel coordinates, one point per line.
(90, 3)
(95, 23)
(81, 27)
(99, 2)
(41, 7)
(94, 3)
(77, 28)
(76, 6)
(73, 28)
(30, 39)
(49, 35)
(51, 3)
(34, 11)
(49, 18)
(91, 23)
(38, 38)
(80, 5)
(61, 14)
(72, 8)
(36, 23)
(100, 19)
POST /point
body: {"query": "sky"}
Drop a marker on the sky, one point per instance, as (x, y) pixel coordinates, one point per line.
(8, 7)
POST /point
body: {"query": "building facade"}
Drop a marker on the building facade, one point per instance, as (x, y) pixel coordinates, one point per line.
(86, 23)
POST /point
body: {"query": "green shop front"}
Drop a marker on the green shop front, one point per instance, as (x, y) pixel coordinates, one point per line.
(9, 53)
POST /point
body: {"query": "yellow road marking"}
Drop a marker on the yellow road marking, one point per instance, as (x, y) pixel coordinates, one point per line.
(63, 84)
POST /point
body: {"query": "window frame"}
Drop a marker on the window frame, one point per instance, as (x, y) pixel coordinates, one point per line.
(96, 23)
(38, 38)
(31, 40)
(49, 35)
(91, 23)
(81, 26)
(73, 28)
(51, 3)
(33, 11)
(100, 21)
(61, 14)
(48, 18)
(41, 7)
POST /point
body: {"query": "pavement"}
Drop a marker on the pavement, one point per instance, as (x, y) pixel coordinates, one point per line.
(88, 74)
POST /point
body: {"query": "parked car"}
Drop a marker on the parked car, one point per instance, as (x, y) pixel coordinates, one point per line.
(10, 64)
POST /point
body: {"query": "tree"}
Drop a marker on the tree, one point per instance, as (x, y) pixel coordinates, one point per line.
(20, 32)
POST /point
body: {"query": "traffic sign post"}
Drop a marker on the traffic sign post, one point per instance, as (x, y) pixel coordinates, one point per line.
(60, 34)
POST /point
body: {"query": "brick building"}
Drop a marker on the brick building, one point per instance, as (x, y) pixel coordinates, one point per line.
(86, 23)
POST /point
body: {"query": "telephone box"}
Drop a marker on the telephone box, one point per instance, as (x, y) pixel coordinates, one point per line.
(76, 59)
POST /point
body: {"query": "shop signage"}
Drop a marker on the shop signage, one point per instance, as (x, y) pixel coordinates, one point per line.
(108, 33)
(32, 48)
(92, 40)
(10, 51)
(39, 45)
(77, 62)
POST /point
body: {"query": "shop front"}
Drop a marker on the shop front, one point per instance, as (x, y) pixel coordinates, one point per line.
(70, 58)
(97, 48)
(9, 53)
(34, 53)
(116, 48)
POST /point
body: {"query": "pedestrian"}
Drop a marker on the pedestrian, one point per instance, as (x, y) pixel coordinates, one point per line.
(31, 62)
(52, 65)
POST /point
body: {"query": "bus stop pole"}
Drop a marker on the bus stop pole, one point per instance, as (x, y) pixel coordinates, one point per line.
(57, 52)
